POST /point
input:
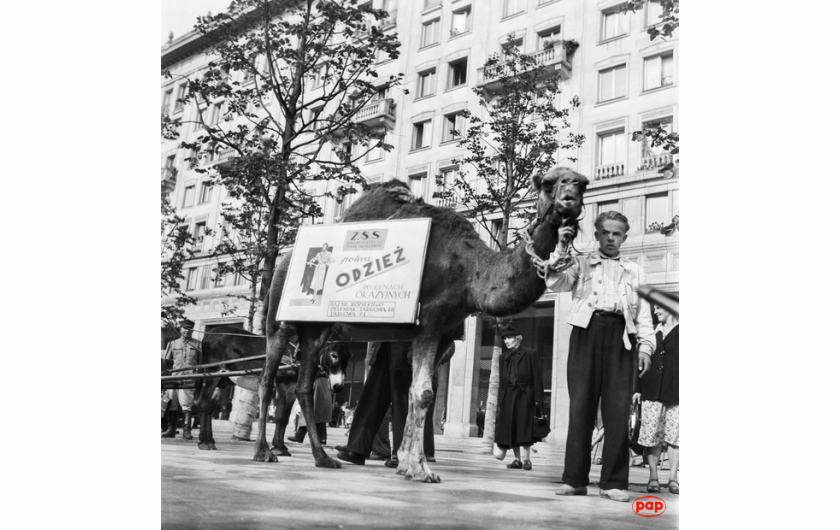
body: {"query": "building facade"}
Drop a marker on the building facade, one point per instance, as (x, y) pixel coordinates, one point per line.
(624, 81)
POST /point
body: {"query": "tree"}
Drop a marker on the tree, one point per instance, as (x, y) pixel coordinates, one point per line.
(175, 250)
(670, 17)
(277, 104)
(655, 135)
(514, 137)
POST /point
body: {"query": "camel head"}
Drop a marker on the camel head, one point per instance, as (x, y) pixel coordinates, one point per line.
(563, 189)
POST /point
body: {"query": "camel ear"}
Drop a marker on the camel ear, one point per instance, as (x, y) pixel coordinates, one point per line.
(537, 181)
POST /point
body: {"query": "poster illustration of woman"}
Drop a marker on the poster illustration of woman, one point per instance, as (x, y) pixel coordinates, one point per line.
(316, 271)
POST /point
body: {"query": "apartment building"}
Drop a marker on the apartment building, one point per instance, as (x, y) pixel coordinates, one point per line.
(624, 81)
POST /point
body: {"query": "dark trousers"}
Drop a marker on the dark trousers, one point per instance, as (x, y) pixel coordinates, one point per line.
(599, 368)
(383, 387)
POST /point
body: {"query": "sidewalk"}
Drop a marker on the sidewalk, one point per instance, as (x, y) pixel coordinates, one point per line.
(225, 489)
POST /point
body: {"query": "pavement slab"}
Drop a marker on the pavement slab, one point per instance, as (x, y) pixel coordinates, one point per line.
(225, 489)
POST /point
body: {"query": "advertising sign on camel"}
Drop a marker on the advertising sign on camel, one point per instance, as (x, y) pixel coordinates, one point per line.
(356, 272)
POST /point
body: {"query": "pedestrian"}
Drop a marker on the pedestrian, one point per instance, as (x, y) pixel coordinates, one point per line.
(520, 399)
(479, 418)
(387, 383)
(660, 398)
(184, 353)
(322, 409)
(602, 364)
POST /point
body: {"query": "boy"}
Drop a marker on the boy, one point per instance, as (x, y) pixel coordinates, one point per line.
(606, 311)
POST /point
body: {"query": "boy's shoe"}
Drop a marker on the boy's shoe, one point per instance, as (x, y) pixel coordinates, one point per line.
(526, 465)
(566, 489)
(615, 495)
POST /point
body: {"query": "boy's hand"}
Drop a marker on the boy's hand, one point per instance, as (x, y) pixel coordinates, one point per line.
(644, 363)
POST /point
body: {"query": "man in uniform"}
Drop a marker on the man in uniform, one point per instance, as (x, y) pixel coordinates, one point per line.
(184, 353)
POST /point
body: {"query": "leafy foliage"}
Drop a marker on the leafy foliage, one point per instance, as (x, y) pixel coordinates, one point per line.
(276, 109)
(175, 250)
(670, 17)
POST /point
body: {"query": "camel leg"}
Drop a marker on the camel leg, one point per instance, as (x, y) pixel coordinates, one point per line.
(285, 402)
(205, 409)
(411, 455)
(274, 349)
(310, 349)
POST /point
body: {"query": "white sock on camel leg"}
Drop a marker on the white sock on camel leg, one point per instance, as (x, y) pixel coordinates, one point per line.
(499, 453)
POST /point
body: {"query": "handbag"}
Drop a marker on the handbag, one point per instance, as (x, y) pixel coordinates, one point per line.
(541, 428)
(635, 423)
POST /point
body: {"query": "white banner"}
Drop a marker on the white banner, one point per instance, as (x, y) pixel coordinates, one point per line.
(356, 272)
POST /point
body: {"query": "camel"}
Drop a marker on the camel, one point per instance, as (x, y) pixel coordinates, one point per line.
(230, 343)
(461, 276)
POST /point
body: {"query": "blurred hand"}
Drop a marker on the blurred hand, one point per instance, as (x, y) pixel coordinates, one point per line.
(644, 363)
(637, 398)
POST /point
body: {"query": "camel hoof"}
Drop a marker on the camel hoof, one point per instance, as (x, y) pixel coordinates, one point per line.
(401, 472)
(328, 462)
(265, 456)
(280, 451)
(206, 446)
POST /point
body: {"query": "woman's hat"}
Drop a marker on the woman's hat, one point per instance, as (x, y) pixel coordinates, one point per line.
(509, 331)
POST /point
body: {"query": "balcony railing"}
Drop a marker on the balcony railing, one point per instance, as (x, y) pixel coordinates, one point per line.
(377, 113)
(553, 58)
(448, 202)
(655, 161)
(609, 171)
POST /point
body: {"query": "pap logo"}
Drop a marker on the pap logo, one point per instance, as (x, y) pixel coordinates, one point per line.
(649, 506)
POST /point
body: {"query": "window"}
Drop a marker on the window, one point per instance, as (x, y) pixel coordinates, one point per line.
(381, 93)
(519, 44)
(451, 123)
(167, 100)
(418, 184)
(189, 196)
(512, 7)
(198, 235)
(431, 33)
(613, 24)
(654, 12)
(318, 74)
(376, 153)
(169, 166)
(239, 279)
(205, 277)
(656, 211)
(647, 148)
(182, 93)
(659, 71)
(199, 119)
(461, 22)
(215, 113)
(218, 279)
(447, 180)
(206, 192)
(613, 83)
(422, 135)
(608, 206)
(430, 3)
(457, 73)
(611, 148)
(548, 38)
(495, 233)
(426, 83)
(192, 278)
(312, 119)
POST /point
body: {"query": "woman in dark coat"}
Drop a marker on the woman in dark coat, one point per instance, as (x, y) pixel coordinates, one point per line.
(521, 391)
(660, 397)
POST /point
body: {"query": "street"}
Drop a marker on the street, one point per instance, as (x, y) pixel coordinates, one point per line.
(226, 489)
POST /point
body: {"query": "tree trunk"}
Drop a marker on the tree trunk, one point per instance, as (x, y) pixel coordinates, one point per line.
(493, 387)
(492, 397)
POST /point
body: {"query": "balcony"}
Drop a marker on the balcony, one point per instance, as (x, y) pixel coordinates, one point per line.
(446, 202)
(655, 161)
(554, 59)
(610, 171)
(378, 113)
